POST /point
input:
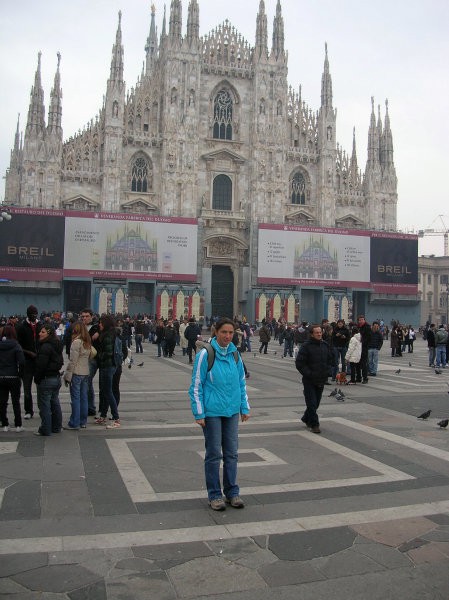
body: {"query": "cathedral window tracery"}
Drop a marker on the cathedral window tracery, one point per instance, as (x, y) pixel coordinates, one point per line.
(222, 193)
(141, 180)
(223, 109)
(298, 189)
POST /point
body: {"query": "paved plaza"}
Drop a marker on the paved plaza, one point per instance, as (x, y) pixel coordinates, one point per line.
(358, 512)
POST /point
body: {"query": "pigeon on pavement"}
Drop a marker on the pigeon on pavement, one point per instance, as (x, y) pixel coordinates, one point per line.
(438, 372)
(341, 393)
(334, 392)
(339, 398)
(140, 364)
(398, 371)
(444, 423)
(425, 415)
(409, 364)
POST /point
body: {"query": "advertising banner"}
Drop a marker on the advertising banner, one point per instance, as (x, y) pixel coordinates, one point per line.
(314, 256)
(32, 245)
(132, 246)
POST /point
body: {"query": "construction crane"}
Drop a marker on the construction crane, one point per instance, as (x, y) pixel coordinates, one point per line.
(441, 232)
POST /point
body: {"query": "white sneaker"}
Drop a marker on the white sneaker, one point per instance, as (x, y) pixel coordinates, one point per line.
(28, 416)
(6, 428)
(18, 429)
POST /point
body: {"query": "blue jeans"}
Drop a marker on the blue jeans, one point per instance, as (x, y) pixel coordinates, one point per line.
(107, 398)
(139, 348)
(339, 353)
(441, 356)
(288, 347)
(79, 387)
(49, 407)
(93, 368)
(312, 395)
(432, 352)
(221, 434)
(373, 360)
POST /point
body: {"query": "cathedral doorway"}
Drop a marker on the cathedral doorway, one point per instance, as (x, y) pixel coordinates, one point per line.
(222, 295)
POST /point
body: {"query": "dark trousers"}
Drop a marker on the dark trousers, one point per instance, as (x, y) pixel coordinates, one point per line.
(27, 379)
(139, 348)
(312, 396)
(356, 372)
(116, 384)
(264, 346)
(10, 386)
(364, 363)
(191, 348)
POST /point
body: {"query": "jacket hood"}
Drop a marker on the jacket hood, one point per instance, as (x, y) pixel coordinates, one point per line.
(7, 344)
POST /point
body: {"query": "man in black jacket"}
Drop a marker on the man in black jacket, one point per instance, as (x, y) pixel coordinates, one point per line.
(28, 336)
(314, 362)
(191, 334)
(365, 332)
(374, 345)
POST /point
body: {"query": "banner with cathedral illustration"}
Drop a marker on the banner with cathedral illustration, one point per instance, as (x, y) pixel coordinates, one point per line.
(130, 245)
(315, 256)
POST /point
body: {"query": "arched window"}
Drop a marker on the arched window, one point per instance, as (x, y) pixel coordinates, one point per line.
(222, 193)
(298, 189)
(140, 175)
(223, 116)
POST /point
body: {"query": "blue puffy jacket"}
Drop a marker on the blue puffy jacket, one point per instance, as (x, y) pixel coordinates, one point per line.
(220, 392)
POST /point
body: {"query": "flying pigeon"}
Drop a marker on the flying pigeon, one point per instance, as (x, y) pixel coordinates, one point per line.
(140, 364)
(438, 372)
(398, 371)
(425, 415)
(444, 423)
(334, 392)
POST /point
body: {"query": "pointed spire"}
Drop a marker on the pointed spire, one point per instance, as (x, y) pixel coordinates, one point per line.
(193, 23)
(55, 108)
(354, 167)
(326, 84)
(175, 24)
(117, 54)
(36, 111)
(387, 141)
(373, 139)
(261, 50)
(278, 33)
(151, 47)
(164, 22)
(17, 136)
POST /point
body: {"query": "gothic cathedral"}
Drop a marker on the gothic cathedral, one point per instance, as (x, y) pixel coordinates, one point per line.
(212, 130)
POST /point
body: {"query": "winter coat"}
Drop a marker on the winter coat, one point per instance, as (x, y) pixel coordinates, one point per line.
(105, 356)
(12, 358)
(340, 337)
(376, 340)
(220, 392)
(78, 358)
(314, 361)
(182, 339)
(49, 359)
(192, 332)
(27, 340)
(354, 351)
(264, 334)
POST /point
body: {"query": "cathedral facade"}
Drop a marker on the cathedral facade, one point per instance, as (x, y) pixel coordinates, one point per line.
(212, 131)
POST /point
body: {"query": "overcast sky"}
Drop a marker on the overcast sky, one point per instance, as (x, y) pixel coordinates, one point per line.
(396, 50)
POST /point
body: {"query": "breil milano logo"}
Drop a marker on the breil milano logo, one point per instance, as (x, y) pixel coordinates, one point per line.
(29, 251)
(394, 269)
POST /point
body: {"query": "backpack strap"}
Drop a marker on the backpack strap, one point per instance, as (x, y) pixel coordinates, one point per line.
(211, 353)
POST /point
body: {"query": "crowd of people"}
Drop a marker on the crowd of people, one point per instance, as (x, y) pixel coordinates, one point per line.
(32, 350)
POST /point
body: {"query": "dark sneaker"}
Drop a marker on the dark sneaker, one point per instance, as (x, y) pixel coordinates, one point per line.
(365, 381)
(235, 502)
(217, 504)
(316, 429)
(68, 428)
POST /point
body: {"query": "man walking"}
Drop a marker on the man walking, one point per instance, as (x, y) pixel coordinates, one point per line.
(314, 362)
(28, 336)
(375, 344)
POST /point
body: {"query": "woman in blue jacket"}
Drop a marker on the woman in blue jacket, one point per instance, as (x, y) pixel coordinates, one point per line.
(218, 398)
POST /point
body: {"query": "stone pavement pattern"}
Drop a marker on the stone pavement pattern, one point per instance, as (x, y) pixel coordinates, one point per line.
(361, 511)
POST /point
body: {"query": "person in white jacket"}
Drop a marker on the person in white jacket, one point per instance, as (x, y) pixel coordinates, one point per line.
(353, 356)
